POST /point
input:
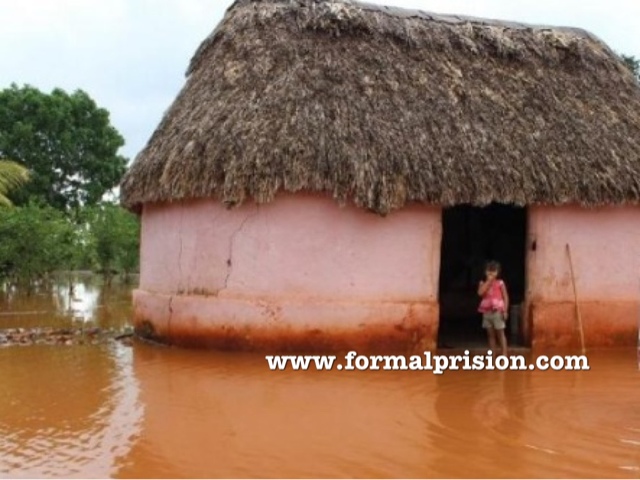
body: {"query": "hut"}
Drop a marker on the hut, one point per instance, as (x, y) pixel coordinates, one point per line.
(334, 174)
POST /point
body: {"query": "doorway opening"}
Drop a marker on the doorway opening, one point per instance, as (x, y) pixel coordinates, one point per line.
(471, 236)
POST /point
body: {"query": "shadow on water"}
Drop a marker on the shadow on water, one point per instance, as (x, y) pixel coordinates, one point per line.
(114, 410)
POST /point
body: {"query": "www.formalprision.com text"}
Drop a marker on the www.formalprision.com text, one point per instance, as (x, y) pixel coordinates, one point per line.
(435, 363)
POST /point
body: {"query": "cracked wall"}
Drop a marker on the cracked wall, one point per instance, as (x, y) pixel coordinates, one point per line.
(298, 273)
(303, 271)
(299, 246)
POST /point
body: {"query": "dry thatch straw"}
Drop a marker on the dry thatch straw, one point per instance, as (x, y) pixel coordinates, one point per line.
(386, 106)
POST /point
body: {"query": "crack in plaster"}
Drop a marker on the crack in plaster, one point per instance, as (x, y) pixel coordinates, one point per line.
(170, 314)
(231, 247)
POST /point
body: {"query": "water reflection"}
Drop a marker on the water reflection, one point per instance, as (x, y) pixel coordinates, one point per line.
(219, 415)
(146, 411)
(214, 415)
(80, 303)
(66, 412)
(55, 304)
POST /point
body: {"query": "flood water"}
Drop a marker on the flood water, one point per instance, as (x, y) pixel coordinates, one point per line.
(139, 410)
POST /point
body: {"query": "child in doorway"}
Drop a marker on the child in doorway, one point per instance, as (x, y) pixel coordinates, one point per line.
(494, 306)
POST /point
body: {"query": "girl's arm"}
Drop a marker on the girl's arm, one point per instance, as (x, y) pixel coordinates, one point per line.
(484, 287)
(505, 297)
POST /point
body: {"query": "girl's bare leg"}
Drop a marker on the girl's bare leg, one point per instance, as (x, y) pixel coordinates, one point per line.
(503, 341)
(491, 336)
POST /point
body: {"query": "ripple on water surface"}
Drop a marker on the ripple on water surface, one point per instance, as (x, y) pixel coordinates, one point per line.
(147, 411)
(66, 411)
(238, 419)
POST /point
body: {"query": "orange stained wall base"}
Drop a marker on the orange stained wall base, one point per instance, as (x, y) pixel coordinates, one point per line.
(605, 324)
(275, 325)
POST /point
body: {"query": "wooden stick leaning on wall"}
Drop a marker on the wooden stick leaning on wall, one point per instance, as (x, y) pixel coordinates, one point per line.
(577, 305)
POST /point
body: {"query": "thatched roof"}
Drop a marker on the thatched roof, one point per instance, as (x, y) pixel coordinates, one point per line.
(383, 106)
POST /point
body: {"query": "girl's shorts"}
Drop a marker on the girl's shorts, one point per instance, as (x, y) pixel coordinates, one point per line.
(493, 319)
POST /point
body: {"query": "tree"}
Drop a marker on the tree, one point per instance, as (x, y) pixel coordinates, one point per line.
(633, 63)
(115, 236)
(129, 243)
(35, 241)
(65, 140)
(12, 176)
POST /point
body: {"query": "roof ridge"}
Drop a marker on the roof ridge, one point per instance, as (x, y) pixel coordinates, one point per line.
(450, 18)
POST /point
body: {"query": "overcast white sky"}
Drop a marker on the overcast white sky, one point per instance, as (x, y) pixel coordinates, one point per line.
(131, 55)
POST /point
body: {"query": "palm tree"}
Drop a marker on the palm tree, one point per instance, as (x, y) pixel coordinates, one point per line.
(12, 175)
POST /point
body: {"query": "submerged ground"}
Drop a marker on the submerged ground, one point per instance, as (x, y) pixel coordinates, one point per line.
(119, 410)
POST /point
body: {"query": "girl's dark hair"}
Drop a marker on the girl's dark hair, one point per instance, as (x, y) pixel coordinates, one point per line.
(493, 266)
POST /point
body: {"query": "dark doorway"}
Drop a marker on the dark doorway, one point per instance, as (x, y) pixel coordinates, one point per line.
(470, 237)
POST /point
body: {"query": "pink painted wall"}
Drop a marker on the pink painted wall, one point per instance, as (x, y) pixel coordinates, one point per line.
(302, 246)
(299, 273)
(605, 247)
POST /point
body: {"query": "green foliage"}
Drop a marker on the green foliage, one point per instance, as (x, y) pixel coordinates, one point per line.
(65, 140)
(12, 176)
(115, 235)
(633, 63)
(69, 151)
(35, 241)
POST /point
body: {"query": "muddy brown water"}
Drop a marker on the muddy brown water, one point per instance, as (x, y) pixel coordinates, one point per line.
(139, 410)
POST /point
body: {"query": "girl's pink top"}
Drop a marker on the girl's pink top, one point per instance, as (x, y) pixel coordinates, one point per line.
(492, 301)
